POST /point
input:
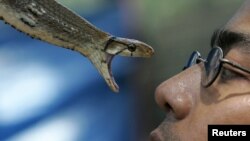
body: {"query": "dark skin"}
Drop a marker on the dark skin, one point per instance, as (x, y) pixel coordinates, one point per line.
(190, 107)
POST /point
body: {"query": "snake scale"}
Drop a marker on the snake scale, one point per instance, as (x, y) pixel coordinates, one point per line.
(52, 22)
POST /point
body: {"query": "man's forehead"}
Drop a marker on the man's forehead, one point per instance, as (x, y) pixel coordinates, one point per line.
(240, 22)
(236, 31)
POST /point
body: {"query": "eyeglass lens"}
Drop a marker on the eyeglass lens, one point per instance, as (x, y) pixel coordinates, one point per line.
(212, 65)
(193, 59)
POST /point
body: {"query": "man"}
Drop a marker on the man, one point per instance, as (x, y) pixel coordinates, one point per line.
(215, 90)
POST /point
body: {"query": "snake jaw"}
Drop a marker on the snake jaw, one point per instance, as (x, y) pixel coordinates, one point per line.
(110, 78)
(103, 61)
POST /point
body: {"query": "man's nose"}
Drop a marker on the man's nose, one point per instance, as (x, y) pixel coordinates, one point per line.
(179, 93)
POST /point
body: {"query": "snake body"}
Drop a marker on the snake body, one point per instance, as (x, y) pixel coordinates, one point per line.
(51, 22)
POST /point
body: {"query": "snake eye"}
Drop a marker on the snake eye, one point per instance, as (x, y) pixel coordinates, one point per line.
(131, 47)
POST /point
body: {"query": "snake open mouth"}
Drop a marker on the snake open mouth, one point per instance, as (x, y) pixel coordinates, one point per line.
(103, 63)
(111, 81)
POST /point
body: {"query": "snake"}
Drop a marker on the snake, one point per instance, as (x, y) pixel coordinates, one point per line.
(51, 22)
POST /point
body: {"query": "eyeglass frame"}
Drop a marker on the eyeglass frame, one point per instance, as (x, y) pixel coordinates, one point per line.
(195, 56)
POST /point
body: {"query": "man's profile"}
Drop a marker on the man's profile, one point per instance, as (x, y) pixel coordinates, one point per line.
(214, 90)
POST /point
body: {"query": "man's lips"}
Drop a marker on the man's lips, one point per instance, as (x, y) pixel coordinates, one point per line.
(156, 136)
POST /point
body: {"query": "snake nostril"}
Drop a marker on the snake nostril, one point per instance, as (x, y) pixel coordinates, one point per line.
(150, 51)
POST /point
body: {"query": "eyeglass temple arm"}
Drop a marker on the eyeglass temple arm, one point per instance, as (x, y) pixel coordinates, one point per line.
(238, 66)
(198, 60)
(201, 59)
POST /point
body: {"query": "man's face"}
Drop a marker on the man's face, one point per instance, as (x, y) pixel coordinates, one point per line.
(190, 107)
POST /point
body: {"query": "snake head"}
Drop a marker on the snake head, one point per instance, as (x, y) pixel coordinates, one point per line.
(128, 47)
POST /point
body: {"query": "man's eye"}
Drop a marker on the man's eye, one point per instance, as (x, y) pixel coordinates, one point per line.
(227, 74)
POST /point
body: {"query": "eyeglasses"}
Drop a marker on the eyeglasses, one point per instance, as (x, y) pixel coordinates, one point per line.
(212, 64)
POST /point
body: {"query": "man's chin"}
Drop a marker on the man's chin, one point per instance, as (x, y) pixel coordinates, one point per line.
(164, 133)
(156, 135)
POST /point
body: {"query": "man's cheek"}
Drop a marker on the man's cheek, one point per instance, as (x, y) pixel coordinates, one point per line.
(232, 110)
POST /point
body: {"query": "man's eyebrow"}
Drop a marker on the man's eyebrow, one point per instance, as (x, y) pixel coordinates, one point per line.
(226, 39)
